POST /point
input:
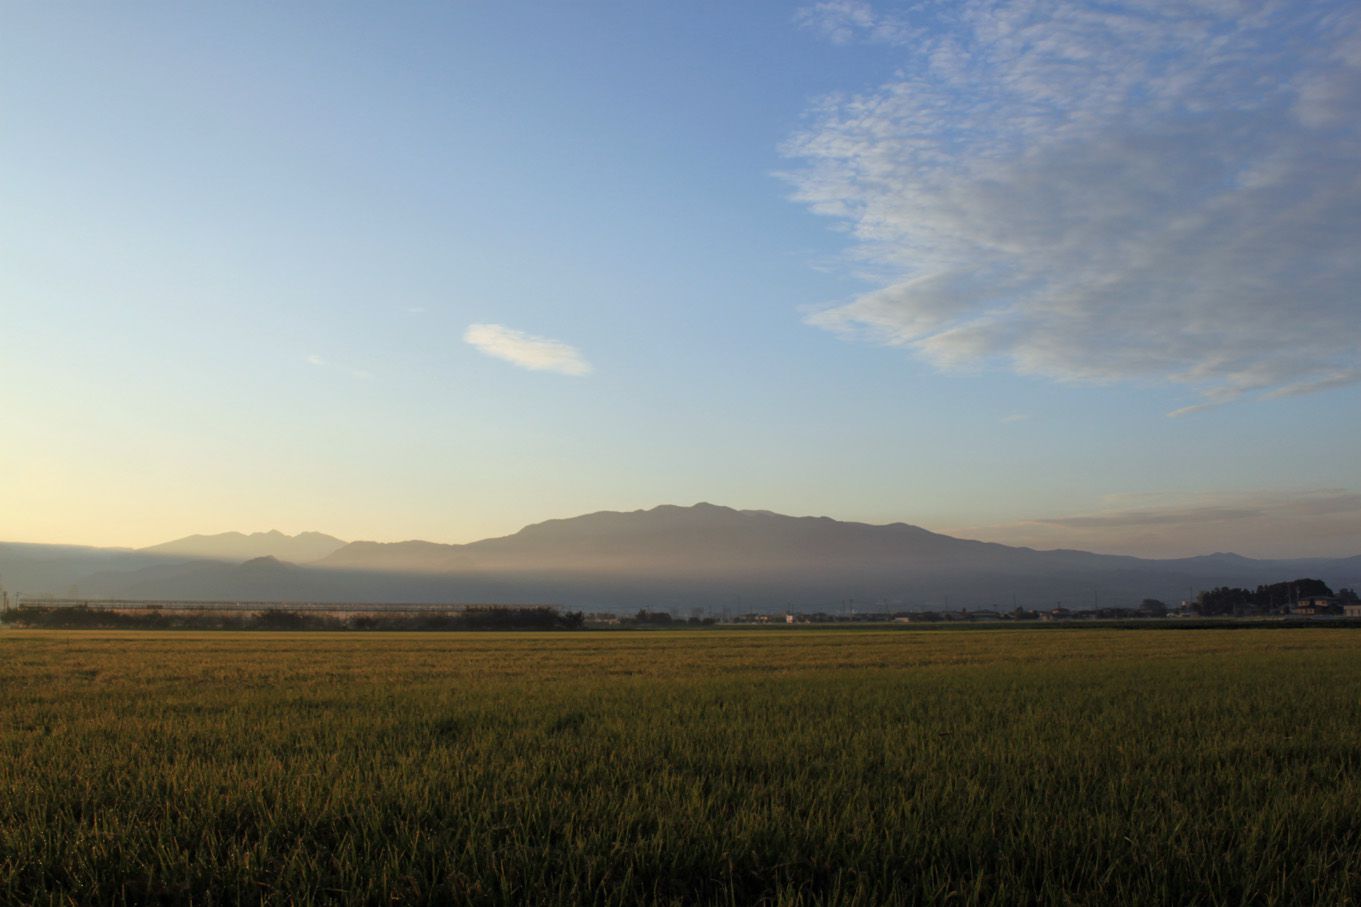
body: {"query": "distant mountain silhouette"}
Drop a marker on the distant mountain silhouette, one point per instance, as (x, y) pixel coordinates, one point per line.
(237, 546)
(676, 558)
(710, 554)
(703, 539)
(262, 579)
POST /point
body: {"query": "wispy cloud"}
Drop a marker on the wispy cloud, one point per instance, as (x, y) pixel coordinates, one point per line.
(526, 350)
(1178, 517)
(1340, 379)
(1145, 192)
(1262, 523)
(1013, 418)
(843, 21)
(317, 361)
(1168, 510)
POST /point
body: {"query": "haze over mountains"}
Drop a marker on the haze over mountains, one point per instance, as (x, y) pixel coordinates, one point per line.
(703, 556)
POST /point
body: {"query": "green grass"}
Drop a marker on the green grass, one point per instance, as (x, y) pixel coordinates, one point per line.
(1082, 766)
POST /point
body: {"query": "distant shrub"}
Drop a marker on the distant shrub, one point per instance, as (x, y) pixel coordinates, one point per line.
(653, 618)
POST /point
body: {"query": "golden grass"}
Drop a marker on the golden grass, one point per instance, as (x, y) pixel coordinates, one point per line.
(1008, 766)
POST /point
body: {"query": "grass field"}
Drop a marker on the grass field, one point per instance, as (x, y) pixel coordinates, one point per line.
(731, 767)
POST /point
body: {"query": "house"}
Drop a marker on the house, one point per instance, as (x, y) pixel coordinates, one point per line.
(1309, 605)
(1352, 609)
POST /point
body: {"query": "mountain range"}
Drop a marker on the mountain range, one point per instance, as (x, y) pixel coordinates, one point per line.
(704, 556)
(238, 546)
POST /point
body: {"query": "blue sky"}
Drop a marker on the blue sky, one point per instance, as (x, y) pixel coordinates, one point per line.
(1050, 273)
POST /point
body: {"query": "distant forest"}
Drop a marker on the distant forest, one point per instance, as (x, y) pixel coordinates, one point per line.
(1225, 600)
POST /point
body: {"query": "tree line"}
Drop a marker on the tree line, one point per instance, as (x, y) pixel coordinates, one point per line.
(1277, 597)
(38, 616)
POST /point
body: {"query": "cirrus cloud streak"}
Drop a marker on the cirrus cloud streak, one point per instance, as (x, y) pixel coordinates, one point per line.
(1278, 523)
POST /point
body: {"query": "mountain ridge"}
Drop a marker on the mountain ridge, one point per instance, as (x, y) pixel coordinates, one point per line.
(787, 537)
(676, 557)
(305, 547)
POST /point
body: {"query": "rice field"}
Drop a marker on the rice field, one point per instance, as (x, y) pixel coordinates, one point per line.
(1077, 766)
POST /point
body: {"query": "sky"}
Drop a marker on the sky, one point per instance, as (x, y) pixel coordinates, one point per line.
(1048, 273)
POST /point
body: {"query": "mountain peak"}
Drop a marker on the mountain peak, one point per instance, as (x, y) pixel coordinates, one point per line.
(668, 539)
